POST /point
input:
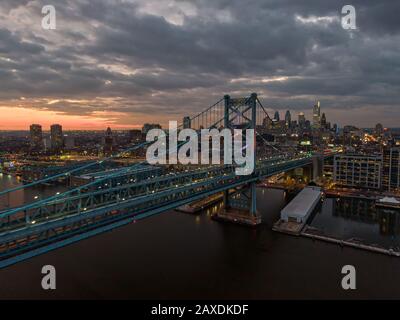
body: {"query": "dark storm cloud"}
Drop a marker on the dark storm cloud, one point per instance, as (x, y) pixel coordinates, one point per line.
(12, 4)
(11, 45)
(198, 50)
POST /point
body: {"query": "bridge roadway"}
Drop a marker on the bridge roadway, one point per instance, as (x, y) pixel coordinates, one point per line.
(45, 225)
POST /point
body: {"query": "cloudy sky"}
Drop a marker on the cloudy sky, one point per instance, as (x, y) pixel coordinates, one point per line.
(126, 62)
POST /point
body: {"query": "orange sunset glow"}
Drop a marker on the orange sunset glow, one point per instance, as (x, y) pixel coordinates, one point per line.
(20, 118)
(15, 118)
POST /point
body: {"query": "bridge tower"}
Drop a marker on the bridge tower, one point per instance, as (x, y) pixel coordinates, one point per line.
(240, 203)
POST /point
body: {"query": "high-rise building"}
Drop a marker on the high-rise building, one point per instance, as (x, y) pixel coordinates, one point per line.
(302, 120)
(108, 142)
(186, 122)
(276, 116)
(56, 137)
(391, 169)
(335, 128)
(328, 125)
(379, 130)
(358, 170)
(288, 119)
(317, 115)
(36, 137)
(323, 121)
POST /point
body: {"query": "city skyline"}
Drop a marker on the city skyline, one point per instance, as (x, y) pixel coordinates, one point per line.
(97, 123)
(46, 125)
(97, 70)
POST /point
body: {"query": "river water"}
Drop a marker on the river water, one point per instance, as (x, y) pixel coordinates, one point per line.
(182, 256)
(347, 218)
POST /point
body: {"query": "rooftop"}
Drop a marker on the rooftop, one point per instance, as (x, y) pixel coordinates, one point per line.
(303, 202)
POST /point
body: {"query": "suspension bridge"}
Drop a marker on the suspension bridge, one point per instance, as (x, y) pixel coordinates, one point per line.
(134, 192)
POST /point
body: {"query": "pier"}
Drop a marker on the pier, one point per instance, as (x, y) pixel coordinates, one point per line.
(295, 214)
(312, 233)
(197, 206)
(238, 216)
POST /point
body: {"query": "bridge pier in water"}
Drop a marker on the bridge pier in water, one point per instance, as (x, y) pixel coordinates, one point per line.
(240, 203)
(240, 206)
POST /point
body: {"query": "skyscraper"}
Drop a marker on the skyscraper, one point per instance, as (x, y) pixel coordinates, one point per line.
(317, 115)
(323, 121)
(276, 116)
(36, 136)
(108, 142)
(288, 119)
(335, 128)
(56, 137)
(302, 120)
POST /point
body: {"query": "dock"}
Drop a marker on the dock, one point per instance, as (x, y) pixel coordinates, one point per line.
(294, 216)
(312, 233)
(289, 227)
(237, 216)
(198, 206)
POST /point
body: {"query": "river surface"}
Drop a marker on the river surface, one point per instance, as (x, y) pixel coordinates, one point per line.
(182, 256)
(360, 219)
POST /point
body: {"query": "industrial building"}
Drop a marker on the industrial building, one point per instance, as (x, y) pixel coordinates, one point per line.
(300, 208)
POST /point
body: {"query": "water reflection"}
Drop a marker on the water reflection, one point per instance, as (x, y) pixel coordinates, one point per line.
(358, 218)
(28, 195)
(366, 212)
